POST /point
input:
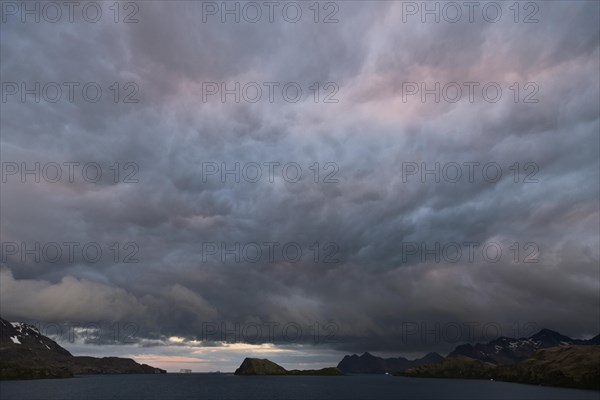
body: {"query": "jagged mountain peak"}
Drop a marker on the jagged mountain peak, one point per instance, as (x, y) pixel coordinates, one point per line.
(21, 335)
(549, 333)
(26, 354)
(505, 350)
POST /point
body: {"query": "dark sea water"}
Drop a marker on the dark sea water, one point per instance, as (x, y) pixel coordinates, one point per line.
(228, 386)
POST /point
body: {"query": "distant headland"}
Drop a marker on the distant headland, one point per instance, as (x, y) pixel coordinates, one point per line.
(257, 366)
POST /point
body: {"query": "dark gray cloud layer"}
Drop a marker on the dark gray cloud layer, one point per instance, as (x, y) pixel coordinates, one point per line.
(371, 213)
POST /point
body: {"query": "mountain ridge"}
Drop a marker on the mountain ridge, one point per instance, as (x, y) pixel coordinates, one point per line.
(574, 366)
(27, 354)
(506, 351)
(500, 351)
(367, 363)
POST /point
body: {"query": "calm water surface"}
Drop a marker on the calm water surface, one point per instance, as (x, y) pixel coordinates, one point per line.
(228, 386)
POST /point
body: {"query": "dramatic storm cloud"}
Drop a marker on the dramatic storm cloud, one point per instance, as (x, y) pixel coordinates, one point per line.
(201, 228)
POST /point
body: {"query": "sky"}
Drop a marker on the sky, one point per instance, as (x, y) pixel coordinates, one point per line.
(191, 183)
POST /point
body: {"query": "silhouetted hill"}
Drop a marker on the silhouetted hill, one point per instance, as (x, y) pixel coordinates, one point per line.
(27, 354)
(370, 364)
(257, 366)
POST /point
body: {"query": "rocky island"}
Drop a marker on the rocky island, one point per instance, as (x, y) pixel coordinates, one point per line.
(257, 366)
(27, 354)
